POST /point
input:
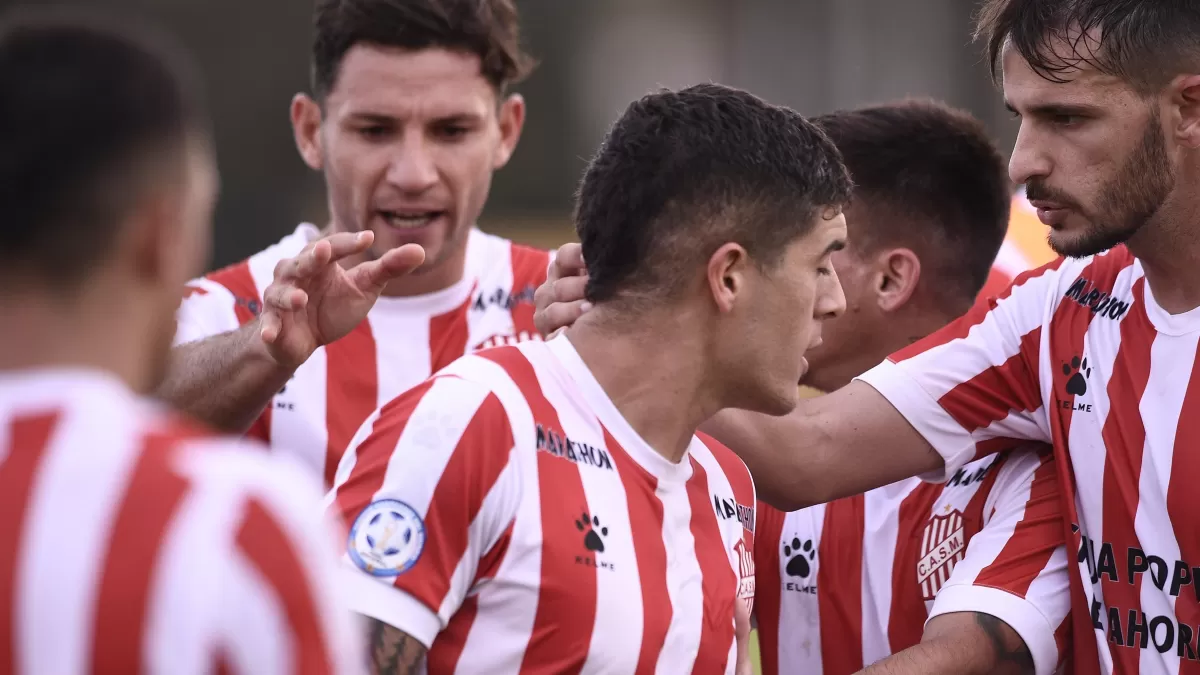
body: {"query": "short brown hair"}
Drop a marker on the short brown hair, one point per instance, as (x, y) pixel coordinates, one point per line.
(929, 178)
(487, 28)
(1144, 42)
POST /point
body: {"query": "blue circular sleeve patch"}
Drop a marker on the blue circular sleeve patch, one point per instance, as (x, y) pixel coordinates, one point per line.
(387, 538)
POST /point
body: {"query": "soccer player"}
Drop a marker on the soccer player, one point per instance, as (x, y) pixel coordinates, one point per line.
(131, 541)
(845, 584)
(547, 507)
(1095, 352)
(410, 114)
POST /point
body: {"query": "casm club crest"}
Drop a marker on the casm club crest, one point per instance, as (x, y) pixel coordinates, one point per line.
(387, 538)
(943, 545)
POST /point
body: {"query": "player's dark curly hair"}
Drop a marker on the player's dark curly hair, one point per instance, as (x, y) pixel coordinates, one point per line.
(683, 172)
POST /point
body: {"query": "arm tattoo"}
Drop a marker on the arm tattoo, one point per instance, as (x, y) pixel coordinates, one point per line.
(394, 652)
(1012, 654)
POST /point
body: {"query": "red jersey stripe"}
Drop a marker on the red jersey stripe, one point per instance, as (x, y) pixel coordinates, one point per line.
(1024, 555)
(448, 648)
(969, 403)
(451, 511)
(371, 460)
(1182, 506)
(151, 501)
(840, 597)
(28, 438)
(651, 555)
(1124, 437)
(907, 599)
(529, 267)
(448, 335)
(565, 645)
(238, 280)
(768, 584)
(352, 390)
(270, 552)
(718, 580)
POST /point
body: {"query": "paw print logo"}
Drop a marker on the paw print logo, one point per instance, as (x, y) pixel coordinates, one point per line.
(801, 555)
(1078, 372)
(593, 532)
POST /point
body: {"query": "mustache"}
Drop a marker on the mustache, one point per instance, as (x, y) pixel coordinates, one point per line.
(1039, 191)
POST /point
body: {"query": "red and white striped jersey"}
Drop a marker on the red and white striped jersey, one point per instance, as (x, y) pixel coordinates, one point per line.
(133, 543)
(402, 342)
(845, 584)
(507, 516)
(1079, 354)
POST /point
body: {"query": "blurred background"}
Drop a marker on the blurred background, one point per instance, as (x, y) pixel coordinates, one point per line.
(596, 56)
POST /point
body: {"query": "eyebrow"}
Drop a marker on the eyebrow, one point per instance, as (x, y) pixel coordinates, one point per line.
(1052, 109)
(835, 245)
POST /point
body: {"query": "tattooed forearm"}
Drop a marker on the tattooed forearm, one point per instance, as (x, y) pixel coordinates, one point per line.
(393, 652)
(1012, 655)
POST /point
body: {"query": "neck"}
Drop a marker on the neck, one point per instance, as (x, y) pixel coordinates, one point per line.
(93, 330)
(1168, 247)
(660, 392)
(434, 274)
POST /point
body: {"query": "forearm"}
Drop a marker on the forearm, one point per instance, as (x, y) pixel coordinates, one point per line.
(225, 380)
(962, 643)
(392, 651)
(832, 446)
(937, 657)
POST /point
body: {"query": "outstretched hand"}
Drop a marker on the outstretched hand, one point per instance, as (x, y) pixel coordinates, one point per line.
(560, 300)
(313, 300)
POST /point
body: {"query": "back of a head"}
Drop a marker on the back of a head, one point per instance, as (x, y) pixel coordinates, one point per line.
(1146, 43)
(90, 116)
(488, 29)
(683, 172)
(929, 178)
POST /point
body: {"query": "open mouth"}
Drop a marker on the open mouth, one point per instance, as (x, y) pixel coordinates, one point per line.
(409, 220)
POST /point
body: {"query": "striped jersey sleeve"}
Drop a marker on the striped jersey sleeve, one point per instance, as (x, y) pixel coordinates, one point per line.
(202, 555)
(1015, 567)
(279, 610)
(978, 378)
(427, 489)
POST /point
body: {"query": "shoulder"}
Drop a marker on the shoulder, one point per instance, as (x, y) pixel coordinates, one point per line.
(245, 278)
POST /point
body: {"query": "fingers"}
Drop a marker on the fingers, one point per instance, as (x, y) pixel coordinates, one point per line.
(284, 297)
(558, 303)
(270, 326)
(568, 262)
(319, 254)
(374, 275)
(559, 315)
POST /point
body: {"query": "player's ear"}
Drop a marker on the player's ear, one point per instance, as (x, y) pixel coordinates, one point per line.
(306, 128)
(726, 275)
(511, 121)
(896, 275)
(1185, 98)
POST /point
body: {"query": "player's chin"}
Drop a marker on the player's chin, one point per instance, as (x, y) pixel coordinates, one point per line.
(777, 399)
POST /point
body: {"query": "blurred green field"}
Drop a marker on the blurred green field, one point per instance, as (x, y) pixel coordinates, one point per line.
(754, 653)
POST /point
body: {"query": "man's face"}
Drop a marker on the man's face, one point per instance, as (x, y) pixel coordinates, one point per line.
(408, 142)
(1091, 153)
(786, 312)
(850, 337)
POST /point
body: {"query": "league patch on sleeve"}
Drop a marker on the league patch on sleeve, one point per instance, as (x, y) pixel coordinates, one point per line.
(387, 538)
